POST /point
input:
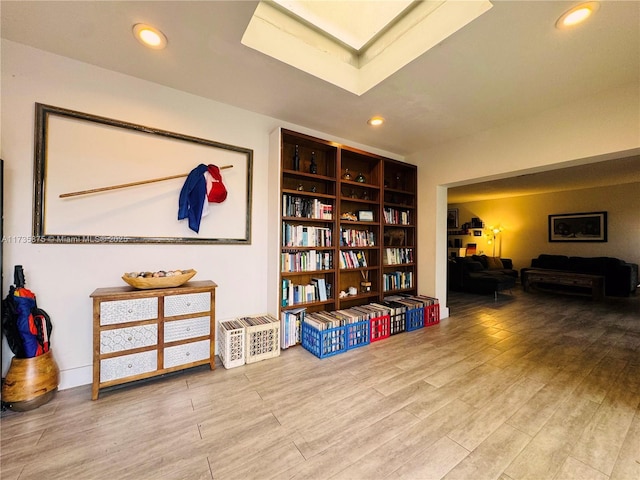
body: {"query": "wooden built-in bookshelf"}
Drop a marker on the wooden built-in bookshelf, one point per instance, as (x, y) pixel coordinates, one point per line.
(348, 222)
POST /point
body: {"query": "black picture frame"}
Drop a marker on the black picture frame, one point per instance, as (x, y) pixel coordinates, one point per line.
(578, 227)
(65, 139)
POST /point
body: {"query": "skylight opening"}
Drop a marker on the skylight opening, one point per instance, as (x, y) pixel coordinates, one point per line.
(360, 44)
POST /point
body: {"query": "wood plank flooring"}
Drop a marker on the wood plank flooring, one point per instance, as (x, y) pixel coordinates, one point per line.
(531, 386)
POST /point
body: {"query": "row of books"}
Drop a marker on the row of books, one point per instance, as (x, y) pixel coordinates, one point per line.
(397, 256)
(396, 217)
(347, 316)
(305, 236)
(315, 291)
(254, 321)
(341, 340)
(291, 326)
(410, 302)
(330, 333)
(397, 280)
(293, 206)
(307, 261)
(353, 259)
(357, 238)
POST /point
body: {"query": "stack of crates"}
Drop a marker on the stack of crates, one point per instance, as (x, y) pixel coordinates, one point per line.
(379, 321)
(231, 339)
(414, 311)
(398, 316)
(262, 337)
(329, 333)
(357, 334)
(323, 337)
(431, 309)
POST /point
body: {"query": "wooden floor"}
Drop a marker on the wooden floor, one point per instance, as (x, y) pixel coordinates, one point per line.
(532, 386)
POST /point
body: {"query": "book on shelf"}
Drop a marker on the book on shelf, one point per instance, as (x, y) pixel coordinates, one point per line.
(357, 238)
(303, 207)
(291, 325)
(393, 216)
(305, 261)
(305, 236)
(397, 280)
(397, 256)
(321, 288)
(315, 291)
(352, 259)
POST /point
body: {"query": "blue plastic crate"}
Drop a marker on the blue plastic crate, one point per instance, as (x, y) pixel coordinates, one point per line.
(415, 319)
(357, 334)
(324, 343)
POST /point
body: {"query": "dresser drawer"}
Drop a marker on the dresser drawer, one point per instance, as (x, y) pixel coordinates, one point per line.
(187, 353)
(121, 339)
(122, 311)
(186, 304)
(189, 328)
(128, 365)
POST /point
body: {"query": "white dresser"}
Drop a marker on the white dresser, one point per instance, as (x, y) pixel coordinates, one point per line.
(143, 333)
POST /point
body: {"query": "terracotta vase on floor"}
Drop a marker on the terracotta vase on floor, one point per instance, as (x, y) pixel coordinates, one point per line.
(30, 382)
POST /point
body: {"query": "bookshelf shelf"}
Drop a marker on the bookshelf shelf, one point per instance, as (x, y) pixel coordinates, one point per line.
(307, 219)
(308, 304)
(360, 190)
(306, 272)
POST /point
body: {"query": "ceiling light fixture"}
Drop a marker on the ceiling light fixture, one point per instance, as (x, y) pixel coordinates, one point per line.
(375, 121)
(577, 14)
(149, 36)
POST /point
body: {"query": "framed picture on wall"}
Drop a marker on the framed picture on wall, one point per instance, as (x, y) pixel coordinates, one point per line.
(578, 227)
(101, 180)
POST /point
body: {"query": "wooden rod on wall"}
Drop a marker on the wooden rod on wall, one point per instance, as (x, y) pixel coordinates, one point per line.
(125, 185)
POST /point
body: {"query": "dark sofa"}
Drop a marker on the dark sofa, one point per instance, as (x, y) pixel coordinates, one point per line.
(481, 274)
(620, 277)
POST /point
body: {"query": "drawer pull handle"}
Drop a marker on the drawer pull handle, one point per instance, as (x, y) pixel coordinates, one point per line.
(129, 339)
(130, 311)
(129, 366)
(187, 354)
(188, 329)
(188, 304)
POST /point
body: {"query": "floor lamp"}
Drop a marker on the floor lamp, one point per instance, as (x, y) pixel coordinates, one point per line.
(495, 231)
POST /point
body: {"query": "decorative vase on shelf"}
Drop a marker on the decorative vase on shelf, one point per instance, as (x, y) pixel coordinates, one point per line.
(296, 159)
(313, 168)
(360, 178)
(346, 175)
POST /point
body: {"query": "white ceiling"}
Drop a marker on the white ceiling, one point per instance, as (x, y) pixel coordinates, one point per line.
(508, 64)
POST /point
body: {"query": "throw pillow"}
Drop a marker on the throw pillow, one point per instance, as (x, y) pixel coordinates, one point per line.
(494, 263)
(482, 259)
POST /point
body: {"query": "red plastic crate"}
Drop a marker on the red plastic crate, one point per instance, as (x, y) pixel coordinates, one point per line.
(380, 328)
(431, 315)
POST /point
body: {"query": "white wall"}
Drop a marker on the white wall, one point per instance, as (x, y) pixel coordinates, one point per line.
(63, 276)
(525, 222)
(594, 127)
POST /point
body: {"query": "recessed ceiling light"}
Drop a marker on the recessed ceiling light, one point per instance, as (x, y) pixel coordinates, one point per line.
(375, 121)
(149, 36)
(577, 14)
